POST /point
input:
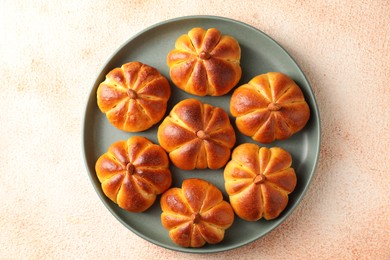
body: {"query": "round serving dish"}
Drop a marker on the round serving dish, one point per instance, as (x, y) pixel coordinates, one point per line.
(259, 54)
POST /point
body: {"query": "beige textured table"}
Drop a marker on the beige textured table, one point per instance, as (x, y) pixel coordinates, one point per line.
(51, 52)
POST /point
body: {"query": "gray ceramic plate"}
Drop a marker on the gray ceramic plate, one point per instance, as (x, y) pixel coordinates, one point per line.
(260, 54)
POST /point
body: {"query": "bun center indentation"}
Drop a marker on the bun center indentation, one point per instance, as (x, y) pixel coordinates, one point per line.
(259, 179)
(274, 107)
(132, 94)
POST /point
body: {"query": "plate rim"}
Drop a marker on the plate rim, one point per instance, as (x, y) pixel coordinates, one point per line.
(314, 107)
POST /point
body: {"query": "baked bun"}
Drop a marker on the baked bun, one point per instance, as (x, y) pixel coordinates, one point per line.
(133, 173)
(270, 107)
(197, 135)
(195, 214)
(205, 62)
(134, 97)
(258, 181)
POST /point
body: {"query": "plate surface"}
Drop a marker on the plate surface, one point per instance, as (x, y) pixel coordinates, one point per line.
(259, 54)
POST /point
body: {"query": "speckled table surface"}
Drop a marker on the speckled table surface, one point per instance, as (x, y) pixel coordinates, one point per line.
(51, 53)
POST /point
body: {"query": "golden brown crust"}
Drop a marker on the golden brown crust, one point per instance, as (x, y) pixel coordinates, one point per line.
(270, 107)
(258, 181)
(195, 214)
(133, 173)
(205, 62)
(134, 97)
(197, 135)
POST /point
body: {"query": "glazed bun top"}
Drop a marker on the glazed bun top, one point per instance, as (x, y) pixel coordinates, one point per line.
(197, 135)
(133, 172)
(205, 62)
(269, 107)
(134, 97)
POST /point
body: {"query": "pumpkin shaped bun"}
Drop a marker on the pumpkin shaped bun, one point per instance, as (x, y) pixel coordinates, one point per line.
(133, 172)
(197, 135)
(195, 214)
(205, 62)
(134, 97)
(258, 181)
(269, 107)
